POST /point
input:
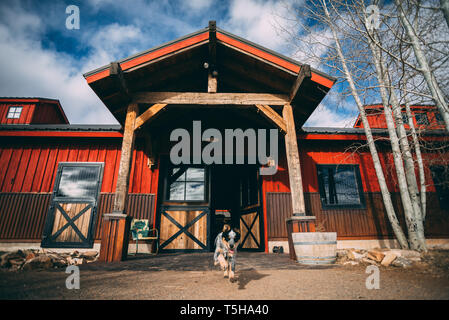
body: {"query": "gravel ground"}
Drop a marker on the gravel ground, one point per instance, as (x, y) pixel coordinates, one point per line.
(260, 276)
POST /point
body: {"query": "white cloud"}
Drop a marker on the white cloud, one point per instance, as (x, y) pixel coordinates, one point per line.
(256, 21)
(324, 116)
(33, 70)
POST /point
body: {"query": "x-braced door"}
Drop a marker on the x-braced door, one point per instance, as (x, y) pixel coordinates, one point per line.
(72, 214)
(251, 224)
(184, 229)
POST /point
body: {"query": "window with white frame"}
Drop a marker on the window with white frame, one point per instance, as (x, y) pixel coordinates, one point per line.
(14, 112)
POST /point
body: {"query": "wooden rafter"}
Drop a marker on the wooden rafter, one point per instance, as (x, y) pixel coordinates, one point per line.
(303, 74)
(148, 114)
(273, 116)
(202, 98)
(116, 72)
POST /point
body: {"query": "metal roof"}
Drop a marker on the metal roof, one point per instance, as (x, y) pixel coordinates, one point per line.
(60, 127)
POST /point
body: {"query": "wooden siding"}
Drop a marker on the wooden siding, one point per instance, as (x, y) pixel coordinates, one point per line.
(30, 165)
(22, 215)
(25, 116)
(369, 223)
(47, 113)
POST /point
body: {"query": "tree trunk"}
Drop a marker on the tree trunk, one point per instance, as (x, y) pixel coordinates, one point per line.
(422, 177)
(406, 177)
(386, 196)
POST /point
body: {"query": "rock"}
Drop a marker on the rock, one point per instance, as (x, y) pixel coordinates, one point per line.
(375, 255)
(75, 261)
(406, 253)
(388, 259)
(16, 262)
(39, 262)
(6, 257)
(369, 261)
(89, 255)
(401, 262)
(30, 256)
(352, 263)
(355, 256)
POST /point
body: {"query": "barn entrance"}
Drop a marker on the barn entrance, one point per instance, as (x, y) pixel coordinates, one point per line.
(236, 200)
(199, 200)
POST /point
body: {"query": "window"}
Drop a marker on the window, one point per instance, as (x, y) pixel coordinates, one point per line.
(340, 186)
(186, 184)
(439, 118)
(440, 176)
(78, 180)
(421, 118)
(404, 118)
(14, 112)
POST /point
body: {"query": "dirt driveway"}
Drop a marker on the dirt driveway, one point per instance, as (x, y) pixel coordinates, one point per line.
(193, 276)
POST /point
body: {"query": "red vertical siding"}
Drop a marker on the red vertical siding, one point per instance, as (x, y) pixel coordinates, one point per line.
(30, 166)
(25, 116)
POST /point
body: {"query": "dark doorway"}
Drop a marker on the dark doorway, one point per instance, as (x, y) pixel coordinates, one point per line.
(236, 200)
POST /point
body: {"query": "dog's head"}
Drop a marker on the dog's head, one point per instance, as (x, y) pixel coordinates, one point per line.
(231, 240)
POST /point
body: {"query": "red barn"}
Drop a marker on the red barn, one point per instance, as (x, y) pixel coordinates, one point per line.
(74, 186)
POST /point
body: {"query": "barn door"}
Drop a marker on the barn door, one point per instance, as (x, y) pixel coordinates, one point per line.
(72, 214)
(184, 229)
(250, 211)
(184, 217)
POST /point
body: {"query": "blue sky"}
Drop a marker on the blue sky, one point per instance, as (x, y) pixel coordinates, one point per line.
(40, 57)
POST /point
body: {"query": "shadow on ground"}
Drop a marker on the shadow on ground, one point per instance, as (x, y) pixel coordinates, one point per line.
(198, 262)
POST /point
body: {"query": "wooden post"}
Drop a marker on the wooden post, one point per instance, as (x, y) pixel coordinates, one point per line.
(115, 225)
(121, 190)
(299, 222)
(294, 167)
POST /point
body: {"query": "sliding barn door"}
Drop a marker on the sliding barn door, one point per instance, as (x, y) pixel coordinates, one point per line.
(72, 214)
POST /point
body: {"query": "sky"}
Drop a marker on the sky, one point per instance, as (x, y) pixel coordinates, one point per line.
(40, 57)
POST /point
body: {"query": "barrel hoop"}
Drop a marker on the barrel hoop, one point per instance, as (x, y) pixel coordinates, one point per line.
(314, 242)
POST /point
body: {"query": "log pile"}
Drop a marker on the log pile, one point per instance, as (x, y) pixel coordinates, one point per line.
(37, 259)
(383, 257)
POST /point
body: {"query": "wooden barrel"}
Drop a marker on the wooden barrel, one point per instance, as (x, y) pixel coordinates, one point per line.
(315, 248)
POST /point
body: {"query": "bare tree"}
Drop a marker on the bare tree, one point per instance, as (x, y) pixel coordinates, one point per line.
(425, 69)
(378, 66)
(320, 13)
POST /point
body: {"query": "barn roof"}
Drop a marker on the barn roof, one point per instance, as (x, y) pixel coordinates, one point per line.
(179, 66)
(36, 100)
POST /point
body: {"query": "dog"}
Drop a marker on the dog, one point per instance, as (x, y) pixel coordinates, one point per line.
(226, 244)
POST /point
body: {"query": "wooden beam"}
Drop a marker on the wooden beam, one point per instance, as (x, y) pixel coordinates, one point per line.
(211, 83)
(213, 72)
(116, 72)
(293, 162)
(304, 73)
(121, 189)
(148, 114)
(202, 98)
(273, 116)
